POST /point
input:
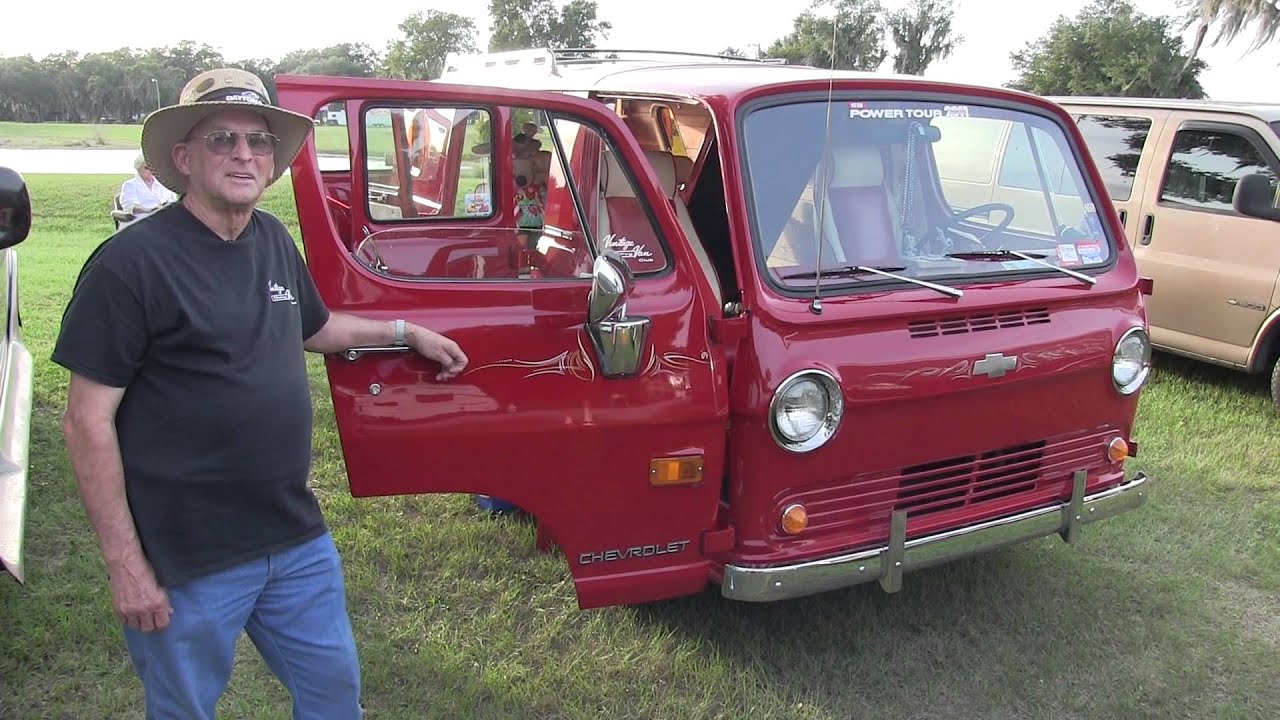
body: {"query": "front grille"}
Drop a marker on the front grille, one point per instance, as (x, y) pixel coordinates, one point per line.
(1032, 469)
(960, 324)
(958, 482)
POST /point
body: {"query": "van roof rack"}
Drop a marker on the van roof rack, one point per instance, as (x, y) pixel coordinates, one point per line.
(548, 60)
(588, 55)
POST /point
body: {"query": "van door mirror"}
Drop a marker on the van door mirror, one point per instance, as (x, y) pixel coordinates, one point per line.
(15, 208)
(619, 340)
(1255, 196)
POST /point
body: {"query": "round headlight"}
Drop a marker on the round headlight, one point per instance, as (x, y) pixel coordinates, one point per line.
(806, 410)
(1131, 363)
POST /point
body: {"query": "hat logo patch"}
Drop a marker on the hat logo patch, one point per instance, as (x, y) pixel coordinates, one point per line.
(205, 85)
(244, 96)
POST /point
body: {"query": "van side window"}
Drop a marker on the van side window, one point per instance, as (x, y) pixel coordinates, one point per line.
(1116, 144)
(1205, 166)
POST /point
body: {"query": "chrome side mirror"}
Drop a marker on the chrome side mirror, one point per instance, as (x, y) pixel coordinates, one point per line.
(15, 208)
(619, 341)
(611, 284)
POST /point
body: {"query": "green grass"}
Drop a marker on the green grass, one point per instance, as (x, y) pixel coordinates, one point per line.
(1170, 612)
(329, 138)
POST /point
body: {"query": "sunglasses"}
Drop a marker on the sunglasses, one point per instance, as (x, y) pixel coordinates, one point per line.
(223, 142)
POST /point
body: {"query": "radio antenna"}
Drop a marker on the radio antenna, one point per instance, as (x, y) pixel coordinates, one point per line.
(816, 305)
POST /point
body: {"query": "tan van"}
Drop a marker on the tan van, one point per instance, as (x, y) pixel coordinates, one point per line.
(1195, 185)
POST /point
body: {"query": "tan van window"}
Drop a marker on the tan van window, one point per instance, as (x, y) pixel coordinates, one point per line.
(1116, 145)
(1205, 166)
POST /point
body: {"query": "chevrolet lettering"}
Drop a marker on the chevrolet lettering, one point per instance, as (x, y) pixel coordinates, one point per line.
(639, 551)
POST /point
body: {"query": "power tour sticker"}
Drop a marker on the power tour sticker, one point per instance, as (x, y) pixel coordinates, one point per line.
(860, 111)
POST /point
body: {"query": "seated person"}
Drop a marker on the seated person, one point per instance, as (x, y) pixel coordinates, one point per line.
(142, 194)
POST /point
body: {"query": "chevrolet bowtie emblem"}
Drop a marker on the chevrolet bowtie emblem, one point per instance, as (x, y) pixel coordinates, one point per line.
(994, 366)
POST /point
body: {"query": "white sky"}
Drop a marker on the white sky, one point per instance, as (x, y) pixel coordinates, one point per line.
(240, 28)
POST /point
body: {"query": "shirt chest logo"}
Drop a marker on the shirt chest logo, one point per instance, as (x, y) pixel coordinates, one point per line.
(280, 293)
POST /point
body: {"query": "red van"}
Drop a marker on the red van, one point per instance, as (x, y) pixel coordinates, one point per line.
(729, 321)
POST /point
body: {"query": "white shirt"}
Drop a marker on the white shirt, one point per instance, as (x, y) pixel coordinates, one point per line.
(134, 193)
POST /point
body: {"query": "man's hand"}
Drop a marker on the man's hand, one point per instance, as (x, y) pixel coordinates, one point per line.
(138, 599)
(434, 346)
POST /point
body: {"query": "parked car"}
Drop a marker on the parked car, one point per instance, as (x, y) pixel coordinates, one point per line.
(15, 377)
(726, 321)
(1195, 185)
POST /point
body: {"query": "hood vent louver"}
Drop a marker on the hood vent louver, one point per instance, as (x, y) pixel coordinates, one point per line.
(961, 324)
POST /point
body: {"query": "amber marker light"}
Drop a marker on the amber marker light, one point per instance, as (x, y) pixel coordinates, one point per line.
(1117, 450)
(794, 519)
(668, 471)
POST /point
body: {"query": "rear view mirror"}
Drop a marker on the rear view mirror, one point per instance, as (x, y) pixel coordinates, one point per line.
(15, 209)
(1255, 196)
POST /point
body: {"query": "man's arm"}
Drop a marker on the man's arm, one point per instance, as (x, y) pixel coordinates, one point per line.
(89, 428)
(343, 331)
(130, 202)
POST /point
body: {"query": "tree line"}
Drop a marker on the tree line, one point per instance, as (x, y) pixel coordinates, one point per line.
(1109, 48)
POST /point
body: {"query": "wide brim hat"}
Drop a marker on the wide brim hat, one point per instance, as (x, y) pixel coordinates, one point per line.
(210, 92)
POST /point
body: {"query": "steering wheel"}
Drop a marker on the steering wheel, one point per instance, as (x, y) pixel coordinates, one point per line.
(956, 218)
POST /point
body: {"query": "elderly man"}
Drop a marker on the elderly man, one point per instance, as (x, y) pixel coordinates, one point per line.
(142, 194)
(189, 416)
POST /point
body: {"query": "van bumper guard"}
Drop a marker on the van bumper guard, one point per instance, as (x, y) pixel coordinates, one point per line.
(887, 564)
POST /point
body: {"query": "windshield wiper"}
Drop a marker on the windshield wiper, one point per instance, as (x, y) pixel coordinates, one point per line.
(998, 255)
(889, 272)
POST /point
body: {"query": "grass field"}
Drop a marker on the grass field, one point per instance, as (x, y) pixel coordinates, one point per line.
(329, 138)
(1168, 613)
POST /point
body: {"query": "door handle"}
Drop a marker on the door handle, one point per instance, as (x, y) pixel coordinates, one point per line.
(1124, 218)
(1148, 227)
(354, 353)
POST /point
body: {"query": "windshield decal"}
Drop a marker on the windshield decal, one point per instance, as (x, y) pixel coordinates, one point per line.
(629, 249)
(1067, 255)
(860, 111)
(1090, 252)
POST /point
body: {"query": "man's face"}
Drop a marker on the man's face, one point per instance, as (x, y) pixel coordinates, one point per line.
(224, 175)
(145, 173)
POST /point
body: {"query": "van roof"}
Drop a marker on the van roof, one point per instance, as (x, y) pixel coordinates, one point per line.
(1267, 112)
(638, 72)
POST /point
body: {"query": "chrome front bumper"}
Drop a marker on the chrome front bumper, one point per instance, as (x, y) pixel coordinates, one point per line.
(887, 564)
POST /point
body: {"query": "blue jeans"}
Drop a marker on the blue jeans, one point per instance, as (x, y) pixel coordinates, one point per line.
(292, 605)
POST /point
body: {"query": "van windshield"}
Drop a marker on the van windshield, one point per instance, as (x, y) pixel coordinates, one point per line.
(925, 190)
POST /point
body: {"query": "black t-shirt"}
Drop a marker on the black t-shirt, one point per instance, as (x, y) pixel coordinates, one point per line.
(215, 424)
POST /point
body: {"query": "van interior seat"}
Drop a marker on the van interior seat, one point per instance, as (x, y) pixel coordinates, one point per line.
(634, 237)
(684, 168)
(665, 167)
(860, 218)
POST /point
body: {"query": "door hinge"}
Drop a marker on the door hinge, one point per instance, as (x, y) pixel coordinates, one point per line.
(728, 330)
(1146, 285)
(718, 541)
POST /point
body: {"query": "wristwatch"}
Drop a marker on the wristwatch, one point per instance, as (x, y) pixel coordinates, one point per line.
(399, 336)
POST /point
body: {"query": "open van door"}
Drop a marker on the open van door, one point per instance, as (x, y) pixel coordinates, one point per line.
(593, 399)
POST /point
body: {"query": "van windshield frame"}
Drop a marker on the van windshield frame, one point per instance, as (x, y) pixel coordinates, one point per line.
(882, 143)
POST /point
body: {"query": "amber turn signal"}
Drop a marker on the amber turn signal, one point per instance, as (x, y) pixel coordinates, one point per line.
(795, 519)
(665, 471)
(1117, 450)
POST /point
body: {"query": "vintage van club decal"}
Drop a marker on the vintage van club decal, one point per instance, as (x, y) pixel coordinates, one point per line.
(629, 249)
(860, 111)
(632, 553)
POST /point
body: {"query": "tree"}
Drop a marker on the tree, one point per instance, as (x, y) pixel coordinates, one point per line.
(523, 24)
(428, 39)
(732, 51)
(1231, 17)
(922, 34)
(858, 36)
(344, 60)
(1108, 49)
